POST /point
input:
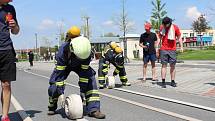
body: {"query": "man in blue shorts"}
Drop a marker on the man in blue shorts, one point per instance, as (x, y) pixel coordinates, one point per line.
(148, 43)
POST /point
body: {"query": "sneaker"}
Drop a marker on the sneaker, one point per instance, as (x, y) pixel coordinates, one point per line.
(126, 84)
(173, 84)
(97, 114)
(5, 118)
(163, 85)
(51, 113)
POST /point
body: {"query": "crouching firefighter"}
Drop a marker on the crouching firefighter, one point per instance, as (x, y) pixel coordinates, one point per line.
(112, 54)
(75, 55)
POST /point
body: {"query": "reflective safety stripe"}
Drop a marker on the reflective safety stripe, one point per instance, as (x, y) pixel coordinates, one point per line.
(105, 70)
(117, 71)
(60, 67)
(84, 80)
(84, 66)
(62, 83)
(105, 64)
(123, 77)
(51, 105)
(90, 99)
(92, 92)
(101, 78)
(52, 100)
(101, 85)
(120, 66)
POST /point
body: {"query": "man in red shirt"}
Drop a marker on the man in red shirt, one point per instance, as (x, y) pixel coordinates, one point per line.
(170, 34)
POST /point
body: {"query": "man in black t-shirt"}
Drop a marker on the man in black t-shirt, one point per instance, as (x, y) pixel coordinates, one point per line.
(148, 43)
(8, 24)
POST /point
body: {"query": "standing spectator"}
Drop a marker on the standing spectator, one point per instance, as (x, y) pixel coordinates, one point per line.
(31, 57)
(169, 34)
(8, 24)
(148, 43)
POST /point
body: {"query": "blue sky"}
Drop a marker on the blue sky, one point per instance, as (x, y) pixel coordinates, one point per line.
(44, 17)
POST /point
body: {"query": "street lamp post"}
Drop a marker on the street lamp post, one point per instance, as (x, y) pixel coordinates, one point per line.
(36, 42)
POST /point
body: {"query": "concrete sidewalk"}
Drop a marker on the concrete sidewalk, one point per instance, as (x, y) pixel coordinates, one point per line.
(190, 78)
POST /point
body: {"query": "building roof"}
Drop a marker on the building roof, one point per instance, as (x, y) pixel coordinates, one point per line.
(104, 39)
(132, 35)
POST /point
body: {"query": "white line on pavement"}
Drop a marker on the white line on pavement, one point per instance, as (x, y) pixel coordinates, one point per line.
(168, 99)
(134, 103)
(20, 110)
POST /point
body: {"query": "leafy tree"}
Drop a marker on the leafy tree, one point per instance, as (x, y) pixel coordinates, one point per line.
(200, 25)
(110, 34)
(125, 25)
(158, 13)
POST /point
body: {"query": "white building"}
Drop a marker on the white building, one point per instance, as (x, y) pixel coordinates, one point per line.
(191, 33)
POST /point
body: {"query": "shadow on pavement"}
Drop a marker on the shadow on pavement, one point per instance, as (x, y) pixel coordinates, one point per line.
(142, 78)
(14, 117)
(160, 83)
(118, 85)
(61, 112)
(213, 84)
(31, 113)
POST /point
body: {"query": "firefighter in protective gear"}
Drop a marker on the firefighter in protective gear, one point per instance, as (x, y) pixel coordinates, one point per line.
(75, 55)
(112, 54)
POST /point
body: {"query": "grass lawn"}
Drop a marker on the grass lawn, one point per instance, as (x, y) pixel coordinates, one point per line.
(197, 55)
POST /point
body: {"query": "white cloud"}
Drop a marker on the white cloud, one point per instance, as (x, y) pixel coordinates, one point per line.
(46, 24)
(193, 13)
(131, 23)
(108, 23)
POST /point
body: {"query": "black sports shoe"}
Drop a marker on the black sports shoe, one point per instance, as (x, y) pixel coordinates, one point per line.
(97, 114)
(173, 84)
(163, 85)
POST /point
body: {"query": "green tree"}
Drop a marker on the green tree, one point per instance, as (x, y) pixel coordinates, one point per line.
(158, 13)
(200, 25)
(125, 25)
(110, 34)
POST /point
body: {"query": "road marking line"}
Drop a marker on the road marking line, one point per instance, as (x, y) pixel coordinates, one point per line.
(19, 109)
(168, 99)
(134, 103)
(83, 119)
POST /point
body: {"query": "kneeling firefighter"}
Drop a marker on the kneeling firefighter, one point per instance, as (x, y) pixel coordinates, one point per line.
(75, 55)
(112, 54)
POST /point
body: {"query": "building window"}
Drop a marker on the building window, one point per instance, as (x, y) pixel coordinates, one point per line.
(191, 34)
(185, 34)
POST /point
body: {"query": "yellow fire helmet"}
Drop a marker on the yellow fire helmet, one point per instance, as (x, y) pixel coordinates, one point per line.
(113, 45)
(81, 47)
(118, 50)
(74, 31)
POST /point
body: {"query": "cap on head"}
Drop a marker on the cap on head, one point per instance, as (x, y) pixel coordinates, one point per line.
(166, 20)
(147, 26)
(74, 31)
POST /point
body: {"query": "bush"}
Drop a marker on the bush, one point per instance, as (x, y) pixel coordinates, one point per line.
(210, 48)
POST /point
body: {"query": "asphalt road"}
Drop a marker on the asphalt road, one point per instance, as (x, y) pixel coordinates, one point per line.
(31, 92)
